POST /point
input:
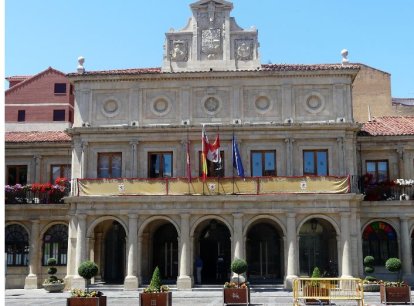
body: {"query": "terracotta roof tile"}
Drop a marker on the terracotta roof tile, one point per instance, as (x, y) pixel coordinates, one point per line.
(267, 67)
(25, 137)
(389, 126)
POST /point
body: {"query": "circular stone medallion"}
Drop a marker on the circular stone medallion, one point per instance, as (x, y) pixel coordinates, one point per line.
(110, 108)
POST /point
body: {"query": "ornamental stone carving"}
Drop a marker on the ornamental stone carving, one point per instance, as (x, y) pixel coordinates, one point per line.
(244, 49)
(110, 108)
(179, 51)
(211, 42)
(161, 106)
(262, 104)
(211, 105)
(314, 103)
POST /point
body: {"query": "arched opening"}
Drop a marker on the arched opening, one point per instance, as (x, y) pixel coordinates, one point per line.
(264, 253)
(17, 245)
(107, 248)
(165, 252)
(160, 248)
(318, 248)
(379, 240)
(55, 244)
(213, 246)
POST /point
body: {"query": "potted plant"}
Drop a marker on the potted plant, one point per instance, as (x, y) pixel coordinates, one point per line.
(396, 291)
(237, 293)
(316, 288)
(53, 284)
(87, 270)
(370, 283)
(156, 293)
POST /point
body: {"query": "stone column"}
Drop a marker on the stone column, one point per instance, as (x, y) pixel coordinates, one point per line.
(139, 262)
(291, 272)
(401, 171)
(131, 280)
(238, 235)
(76, 165)
(78, 281)
(70, 264)
(134, 160)
(84, 159)
(37, 169)
(346, 247)
(341, 155)
(405, 247)
(31, 280)
(184, 280)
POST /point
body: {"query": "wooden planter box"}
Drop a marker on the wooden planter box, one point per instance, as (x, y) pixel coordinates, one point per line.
(395, 294)
(86, 301)
(236, 296)
(155, 299)
(316, 291)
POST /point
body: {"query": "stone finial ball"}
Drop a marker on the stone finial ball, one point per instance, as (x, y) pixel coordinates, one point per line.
(81, 60)
(344, 52)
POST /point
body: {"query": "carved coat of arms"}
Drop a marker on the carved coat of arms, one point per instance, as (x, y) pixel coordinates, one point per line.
(211, 42)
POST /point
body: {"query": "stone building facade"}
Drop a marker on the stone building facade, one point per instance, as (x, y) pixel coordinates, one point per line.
(137, 200)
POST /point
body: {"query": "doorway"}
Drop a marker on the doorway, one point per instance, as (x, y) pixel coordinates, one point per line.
(165, 252)
(114, 272)
(215, 252)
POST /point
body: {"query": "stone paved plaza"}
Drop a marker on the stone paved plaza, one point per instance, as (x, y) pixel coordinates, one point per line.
(38, 297)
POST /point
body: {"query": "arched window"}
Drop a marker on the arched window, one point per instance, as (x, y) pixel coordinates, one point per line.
(380, 241)
(55, 244)
(17, 245)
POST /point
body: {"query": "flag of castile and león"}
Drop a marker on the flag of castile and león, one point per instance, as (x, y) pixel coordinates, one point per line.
(209, 152)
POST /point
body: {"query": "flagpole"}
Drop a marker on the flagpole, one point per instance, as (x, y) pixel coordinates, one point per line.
(232, 156)
(188, 162)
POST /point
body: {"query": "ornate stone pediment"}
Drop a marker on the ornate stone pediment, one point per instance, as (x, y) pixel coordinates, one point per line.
(211, 41)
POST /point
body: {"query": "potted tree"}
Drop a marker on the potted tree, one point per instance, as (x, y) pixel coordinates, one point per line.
(53, 284)
(156, 293)
(87, 270)
(316, 288)
(395, 291)
(370, 283)
(237, 293)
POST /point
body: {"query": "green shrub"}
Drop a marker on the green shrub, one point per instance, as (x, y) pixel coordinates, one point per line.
(51, 261)
(88, 269)
(51, 271)
(370, 278)
(156, 280)
(316, 273)
(369, 269)
(369, 261)
(393, 264)
(52, 279)
(238, 266)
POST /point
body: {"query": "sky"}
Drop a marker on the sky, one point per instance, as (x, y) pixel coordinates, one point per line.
(112, 34)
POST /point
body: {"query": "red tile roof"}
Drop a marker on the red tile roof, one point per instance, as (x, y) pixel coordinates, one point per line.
(389, 126)
(30, 79)
(267, 67)
(24, 137)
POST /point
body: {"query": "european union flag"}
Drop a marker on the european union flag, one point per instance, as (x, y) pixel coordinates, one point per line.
(237, 162)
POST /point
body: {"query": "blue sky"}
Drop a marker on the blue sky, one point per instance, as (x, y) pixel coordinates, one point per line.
(130, 33)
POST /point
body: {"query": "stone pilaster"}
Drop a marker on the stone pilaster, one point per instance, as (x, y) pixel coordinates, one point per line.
(134, 159)
(31, 280)
(291, 272)
(184, 281)
(131, 280)
(78, 281)
(84, 159)
(345, 246)
(238, 235)
(405, 247)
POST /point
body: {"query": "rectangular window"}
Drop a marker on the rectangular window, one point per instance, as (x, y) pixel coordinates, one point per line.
(315, 162)
(160, 164)
(21, 115)
(263, 163)
(59, 115)
(59, 171)
(60, 88)
(378, 169)
(17, 175)
(109, 165)
(213, 169)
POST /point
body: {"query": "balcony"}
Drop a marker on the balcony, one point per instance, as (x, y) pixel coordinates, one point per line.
(398, 190)
(213, 186)
(37, 193)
